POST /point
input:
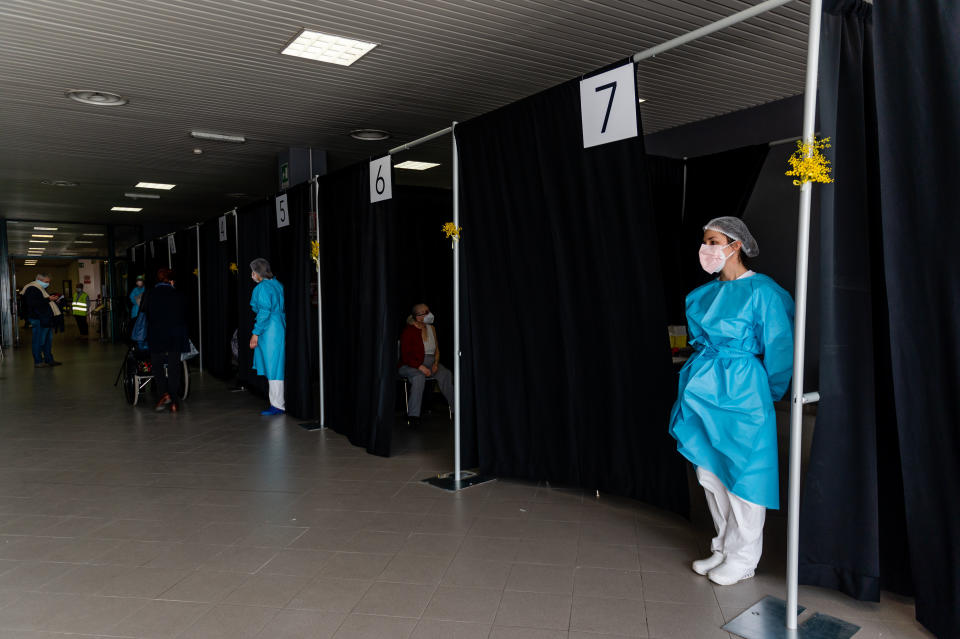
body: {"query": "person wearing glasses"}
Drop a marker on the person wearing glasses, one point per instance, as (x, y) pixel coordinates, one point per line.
(420, 359)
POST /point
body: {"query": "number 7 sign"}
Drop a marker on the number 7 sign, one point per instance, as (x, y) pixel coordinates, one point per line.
(608, 106)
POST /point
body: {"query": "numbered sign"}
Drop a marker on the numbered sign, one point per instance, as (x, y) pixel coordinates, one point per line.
(171, 245)
(283, 213)
(608, 106)
(222, 226)
(381, 186)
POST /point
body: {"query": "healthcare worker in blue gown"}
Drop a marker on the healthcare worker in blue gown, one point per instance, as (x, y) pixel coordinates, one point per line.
(269, 332)
(741, 327)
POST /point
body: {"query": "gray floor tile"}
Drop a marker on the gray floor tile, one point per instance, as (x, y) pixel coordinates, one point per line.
(205, 586)
(415, 569)
(336, 595)
(302, 624)
(358, 626)
(395, 600)
(556, 580)
(534, 610)
(355, 565)
(267, 590)
(624, 617)
(436, 629)
(607, 556)
(477, 573)
(230, 622)
(690, 588)
(681, 621)
(604, 582)
(452, 603)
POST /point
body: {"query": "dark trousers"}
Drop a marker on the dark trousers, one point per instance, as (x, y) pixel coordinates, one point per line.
(168, 380)
(42, 342)
(82, 324)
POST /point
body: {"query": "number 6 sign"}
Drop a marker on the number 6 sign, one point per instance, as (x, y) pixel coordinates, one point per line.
(608, 106)
(381, 186)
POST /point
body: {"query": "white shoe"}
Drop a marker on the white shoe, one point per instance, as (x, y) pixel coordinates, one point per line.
(703, 566)
(727, 574)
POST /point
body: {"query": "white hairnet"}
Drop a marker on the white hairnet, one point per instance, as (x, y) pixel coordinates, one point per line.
(735, 229)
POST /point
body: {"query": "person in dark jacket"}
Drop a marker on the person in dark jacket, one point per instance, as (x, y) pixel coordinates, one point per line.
(420, 359)
(41, 311)
(168, 338)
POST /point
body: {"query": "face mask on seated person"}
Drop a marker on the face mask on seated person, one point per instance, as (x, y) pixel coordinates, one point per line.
(428, 318)
(43, 284)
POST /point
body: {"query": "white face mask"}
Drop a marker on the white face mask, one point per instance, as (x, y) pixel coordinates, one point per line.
(428, 318)
(713, 258)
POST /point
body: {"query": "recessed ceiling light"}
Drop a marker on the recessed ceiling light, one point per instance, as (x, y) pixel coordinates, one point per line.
(413, 165)
(46, 228)
(40, 235)
(198, 151)
(96, 98)
(62, 183)
(641, 100)
(127, 209)
(154, 185)
(142, 196)
(369, 135)
(218, 137)
(324, 47)
(39, 241)
(94, 234)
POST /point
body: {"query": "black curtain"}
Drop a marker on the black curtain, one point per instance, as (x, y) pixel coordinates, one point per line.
(218, 285)
(155, 257)
(361, 313)
(565, 351)
(254, 222)
(666, 194)
(185, 270)
(918, 102)
(717, 184)
(878, 509)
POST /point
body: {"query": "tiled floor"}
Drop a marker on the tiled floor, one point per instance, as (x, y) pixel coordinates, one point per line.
(117, 522)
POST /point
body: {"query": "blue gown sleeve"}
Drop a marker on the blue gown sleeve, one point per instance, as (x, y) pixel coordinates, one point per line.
(777, 336)
(261, 304)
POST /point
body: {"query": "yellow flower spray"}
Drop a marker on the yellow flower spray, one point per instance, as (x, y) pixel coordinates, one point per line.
(808, 163)
(233, 267)
(315, 251)
(452, 231)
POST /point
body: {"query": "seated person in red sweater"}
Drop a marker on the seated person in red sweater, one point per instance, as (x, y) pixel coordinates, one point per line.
(420, 359)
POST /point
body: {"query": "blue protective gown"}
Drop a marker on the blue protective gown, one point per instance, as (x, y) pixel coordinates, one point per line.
(135, 300)
(270, 327)
(723, 420)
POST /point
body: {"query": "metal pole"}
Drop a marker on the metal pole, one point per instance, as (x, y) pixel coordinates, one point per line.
(316, 208)
(419, 141)
(199, 305)
(800, 323)
(456, 310)
(740, 16)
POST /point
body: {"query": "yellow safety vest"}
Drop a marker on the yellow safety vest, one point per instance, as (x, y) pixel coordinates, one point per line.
(79, 305)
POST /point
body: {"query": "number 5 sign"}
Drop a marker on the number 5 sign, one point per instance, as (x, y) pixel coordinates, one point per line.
(381, 186)
(608, 106)
(283, 213)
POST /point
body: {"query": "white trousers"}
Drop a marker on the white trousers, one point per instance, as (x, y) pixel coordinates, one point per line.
(739, 523)
(276, 394)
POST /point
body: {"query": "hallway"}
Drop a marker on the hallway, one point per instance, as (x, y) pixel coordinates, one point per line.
(215, 522)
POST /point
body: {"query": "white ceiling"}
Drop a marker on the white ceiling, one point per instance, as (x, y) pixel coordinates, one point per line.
(215, 65)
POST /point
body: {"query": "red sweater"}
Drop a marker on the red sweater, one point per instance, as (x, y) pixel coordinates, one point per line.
(411, 347)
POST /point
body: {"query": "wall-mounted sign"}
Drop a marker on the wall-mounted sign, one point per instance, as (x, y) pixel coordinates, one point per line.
(283, 213)
(608, 106)
(381, 186)
(222, 226)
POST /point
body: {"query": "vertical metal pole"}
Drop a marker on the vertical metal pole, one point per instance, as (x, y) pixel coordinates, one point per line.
(6, 291)
(199, 304)
(111, 284)
(316, 208)
(800, 323)
(456, 309)
(169, 255)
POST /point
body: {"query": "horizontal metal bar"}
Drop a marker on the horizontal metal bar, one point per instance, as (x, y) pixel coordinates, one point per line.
(419, 141)
(723, 23)
(810, 398)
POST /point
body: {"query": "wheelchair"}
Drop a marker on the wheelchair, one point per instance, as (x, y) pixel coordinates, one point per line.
(136, 374)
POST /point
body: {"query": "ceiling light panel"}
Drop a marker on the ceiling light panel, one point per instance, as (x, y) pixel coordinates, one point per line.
(155, 185)
(46, 228)
(38, 241)
(94, 234)
(40, 235)
(414, 165)
(127, 209)
(324, 47)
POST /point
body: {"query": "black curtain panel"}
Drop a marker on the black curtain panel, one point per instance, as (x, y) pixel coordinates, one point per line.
(565, 350)
(855, 456)
(185, 270)
(666, 193)
(217, 282)
(918, 102)
(292, 265)
(155, 256)
(886, 447)
(717, 184)
(361, 319)
(253, 223)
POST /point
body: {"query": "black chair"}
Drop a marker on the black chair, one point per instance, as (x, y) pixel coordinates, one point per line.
(406, 387)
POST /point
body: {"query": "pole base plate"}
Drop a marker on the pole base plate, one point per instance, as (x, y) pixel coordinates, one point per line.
(452, 484)
(767, 618)
(312, 426)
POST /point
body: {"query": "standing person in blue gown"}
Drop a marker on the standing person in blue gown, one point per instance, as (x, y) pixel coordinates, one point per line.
(741, 328)
(269, 332)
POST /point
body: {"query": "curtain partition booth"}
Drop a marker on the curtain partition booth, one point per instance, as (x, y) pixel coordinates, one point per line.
(218, 299)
